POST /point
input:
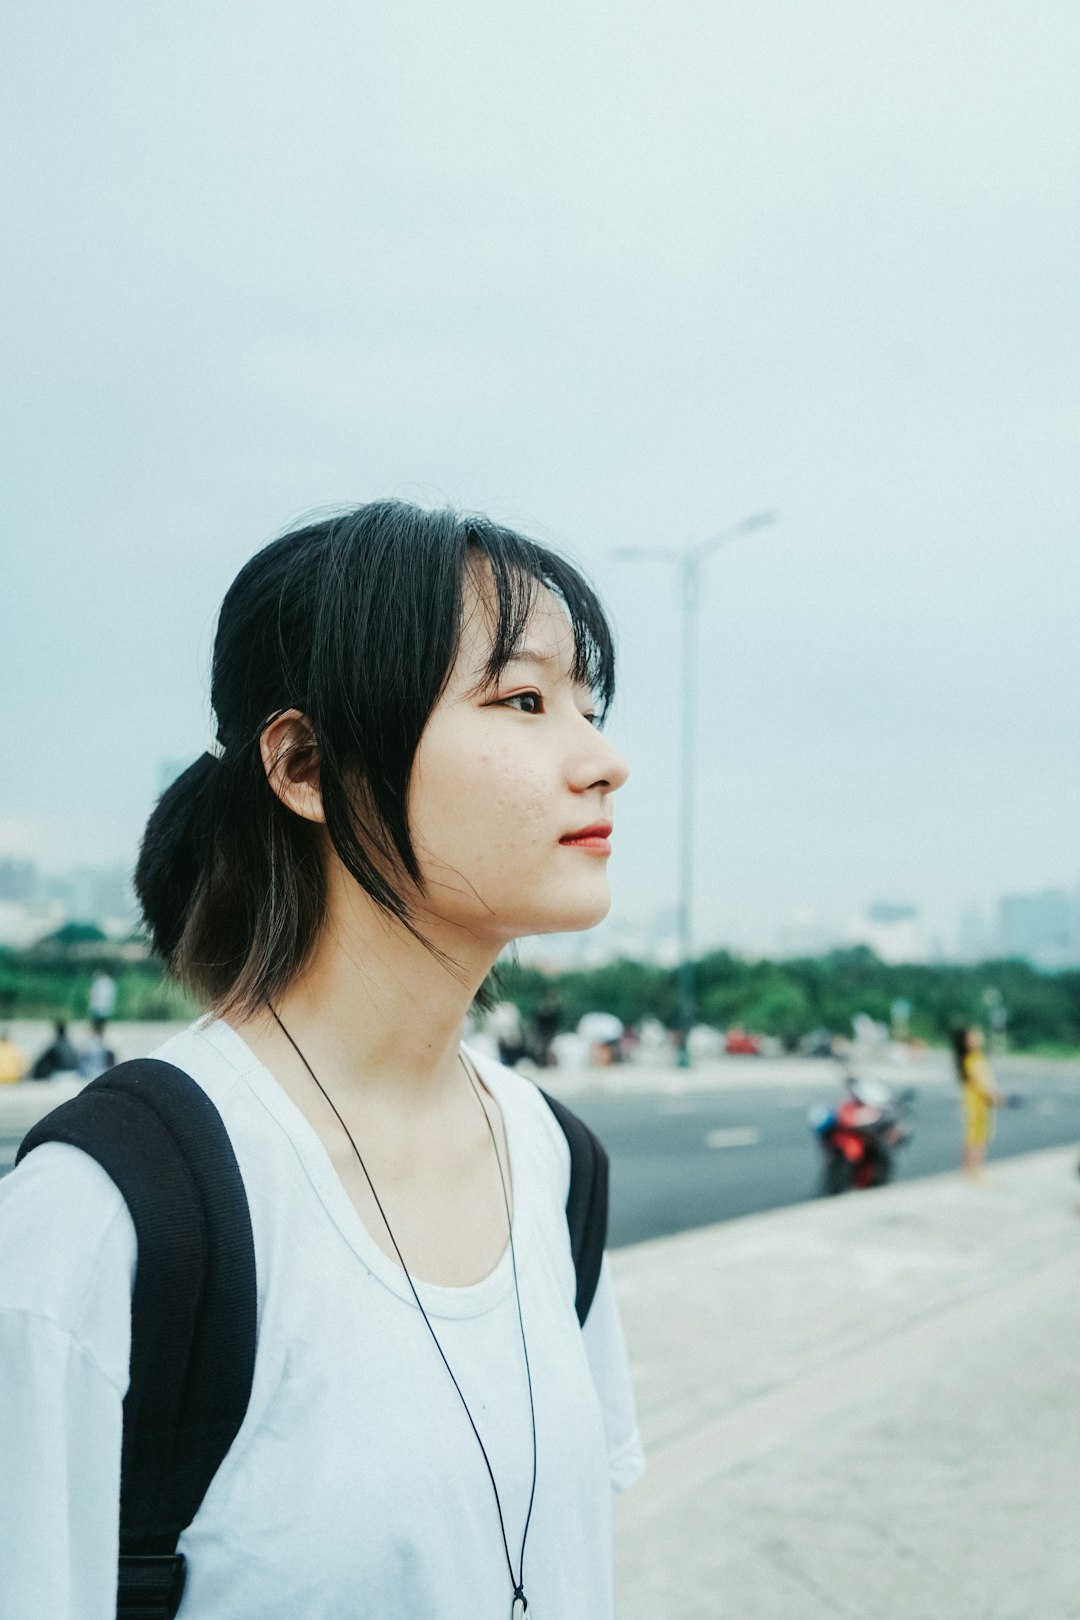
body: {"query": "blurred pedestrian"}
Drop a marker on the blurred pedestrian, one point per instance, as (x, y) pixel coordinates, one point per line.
(603, 1031)
(504, 1023)
(546, 1020)
(59, 1057)
(95, 1056)
(12, 1061)
(979, 1093)
(102, 1001)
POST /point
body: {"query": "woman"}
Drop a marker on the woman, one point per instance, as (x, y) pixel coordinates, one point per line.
(407, 775)
(980, 1096)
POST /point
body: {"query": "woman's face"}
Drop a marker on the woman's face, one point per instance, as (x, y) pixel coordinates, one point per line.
(502, 780)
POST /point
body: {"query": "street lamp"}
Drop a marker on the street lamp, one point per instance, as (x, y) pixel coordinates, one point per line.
(998, 1016)
(689, 560)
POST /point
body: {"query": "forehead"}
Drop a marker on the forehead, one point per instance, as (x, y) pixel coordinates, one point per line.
(547, 635)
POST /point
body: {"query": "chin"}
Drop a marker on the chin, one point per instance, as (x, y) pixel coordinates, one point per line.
(572, 917)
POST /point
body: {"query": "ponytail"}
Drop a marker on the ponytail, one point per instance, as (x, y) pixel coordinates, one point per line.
(230, 882)
(175, 851)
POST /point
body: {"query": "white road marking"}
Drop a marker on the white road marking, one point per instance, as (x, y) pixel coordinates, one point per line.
(734, 1136)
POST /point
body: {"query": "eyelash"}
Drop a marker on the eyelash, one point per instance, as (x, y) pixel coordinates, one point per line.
(591, 716)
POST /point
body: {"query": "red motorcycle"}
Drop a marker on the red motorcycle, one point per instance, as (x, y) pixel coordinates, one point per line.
(861, 1134)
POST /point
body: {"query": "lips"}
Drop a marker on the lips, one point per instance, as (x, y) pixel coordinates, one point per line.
(594, 837)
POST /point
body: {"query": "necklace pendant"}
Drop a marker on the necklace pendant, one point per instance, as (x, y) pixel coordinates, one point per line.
(520, 1609)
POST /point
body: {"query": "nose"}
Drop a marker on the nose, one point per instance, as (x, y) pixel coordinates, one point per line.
(603, 766)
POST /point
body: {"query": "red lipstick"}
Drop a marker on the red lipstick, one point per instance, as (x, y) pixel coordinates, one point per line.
(596, 838)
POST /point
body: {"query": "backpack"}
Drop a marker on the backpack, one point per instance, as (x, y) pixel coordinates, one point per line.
(158, 1136)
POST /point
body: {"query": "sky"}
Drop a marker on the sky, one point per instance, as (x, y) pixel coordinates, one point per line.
(619, 276)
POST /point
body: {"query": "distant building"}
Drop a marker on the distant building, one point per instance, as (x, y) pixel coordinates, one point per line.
(662, 937)
(24, 922)
(975, 940)
(18, 879)
(93, 893)
(1040, 928)
(806, 934)
(893, 931)
(618, 936)
(556, 953)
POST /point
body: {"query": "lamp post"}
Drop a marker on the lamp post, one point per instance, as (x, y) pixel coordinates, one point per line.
(689, 560)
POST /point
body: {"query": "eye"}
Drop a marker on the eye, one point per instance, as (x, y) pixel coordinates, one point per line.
(532, 702)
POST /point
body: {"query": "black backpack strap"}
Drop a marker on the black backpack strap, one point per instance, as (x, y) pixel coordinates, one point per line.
(158, 1136)
(587, 1202)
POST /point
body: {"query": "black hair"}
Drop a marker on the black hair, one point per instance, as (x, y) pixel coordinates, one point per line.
(960, 1038)
(355, 621)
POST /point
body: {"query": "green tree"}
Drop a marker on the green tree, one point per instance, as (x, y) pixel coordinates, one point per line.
(783, 1009)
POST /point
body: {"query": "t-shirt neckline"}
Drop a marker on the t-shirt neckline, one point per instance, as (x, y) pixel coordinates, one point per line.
(437, 1299)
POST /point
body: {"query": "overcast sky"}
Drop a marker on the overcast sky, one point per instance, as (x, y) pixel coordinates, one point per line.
(619, 274)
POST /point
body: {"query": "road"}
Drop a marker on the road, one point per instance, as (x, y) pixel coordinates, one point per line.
(682, 1161)
(685, 1161)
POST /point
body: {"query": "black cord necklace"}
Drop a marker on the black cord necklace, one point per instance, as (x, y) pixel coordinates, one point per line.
(520, 1603)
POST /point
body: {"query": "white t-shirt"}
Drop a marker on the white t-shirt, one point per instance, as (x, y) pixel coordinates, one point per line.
(355, 1489)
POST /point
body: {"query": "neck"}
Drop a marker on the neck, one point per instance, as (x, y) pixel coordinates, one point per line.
(374, 1008)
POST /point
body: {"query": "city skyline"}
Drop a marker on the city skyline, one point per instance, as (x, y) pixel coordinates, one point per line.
(1041, 927)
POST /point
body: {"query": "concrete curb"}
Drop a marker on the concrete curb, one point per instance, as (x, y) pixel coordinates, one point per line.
(863, 1407)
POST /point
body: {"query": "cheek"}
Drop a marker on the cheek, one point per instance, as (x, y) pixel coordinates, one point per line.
(484, 800)
(513, 789)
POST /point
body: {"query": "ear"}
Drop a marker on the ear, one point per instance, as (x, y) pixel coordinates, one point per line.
(290, 756)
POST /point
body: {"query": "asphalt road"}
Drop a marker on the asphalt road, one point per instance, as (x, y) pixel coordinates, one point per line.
(693, 1159)
(686, 1161)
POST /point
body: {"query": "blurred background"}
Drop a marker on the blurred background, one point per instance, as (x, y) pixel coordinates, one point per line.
(783, 295)
(767, 314)
(620, 275)
(622, 278)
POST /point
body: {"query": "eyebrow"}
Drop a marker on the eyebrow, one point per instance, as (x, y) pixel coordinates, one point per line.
(527, 655)
(532, 655)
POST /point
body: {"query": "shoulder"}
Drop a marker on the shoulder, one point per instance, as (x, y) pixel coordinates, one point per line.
(267, 1134)
(211, 1053)
(68, 1251)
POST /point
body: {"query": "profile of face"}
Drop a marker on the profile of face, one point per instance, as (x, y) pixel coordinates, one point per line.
(975, 1039)
(503, 778)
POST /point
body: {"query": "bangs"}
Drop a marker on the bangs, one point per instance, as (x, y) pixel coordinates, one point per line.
(519, 567)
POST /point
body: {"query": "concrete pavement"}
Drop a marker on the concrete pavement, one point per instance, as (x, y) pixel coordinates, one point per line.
(866, 1407)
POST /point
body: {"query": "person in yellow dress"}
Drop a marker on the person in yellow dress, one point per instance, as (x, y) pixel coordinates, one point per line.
(13, 1063)
(979, 1093)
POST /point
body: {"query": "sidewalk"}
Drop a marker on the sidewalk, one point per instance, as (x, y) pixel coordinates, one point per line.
(811, 1074)
(866, 1408)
